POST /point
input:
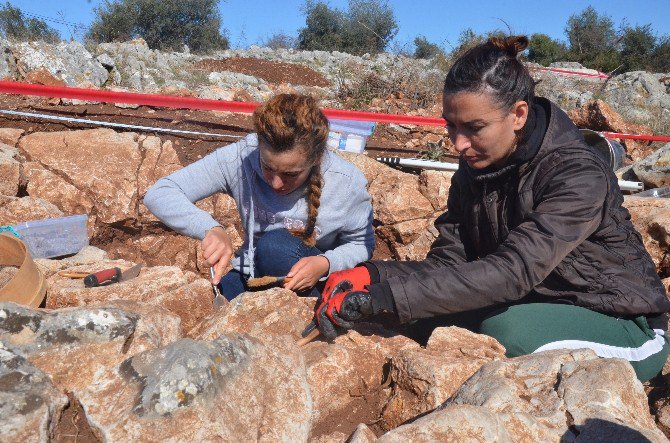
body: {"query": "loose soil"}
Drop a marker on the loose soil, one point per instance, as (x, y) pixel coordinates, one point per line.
(72, 427)
(270, 71)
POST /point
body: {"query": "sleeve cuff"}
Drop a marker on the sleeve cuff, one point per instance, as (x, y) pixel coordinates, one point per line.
(373, 271)
(382, 298)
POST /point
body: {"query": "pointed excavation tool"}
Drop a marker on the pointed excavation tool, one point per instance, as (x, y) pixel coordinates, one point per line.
(219, 299)
(112, 275)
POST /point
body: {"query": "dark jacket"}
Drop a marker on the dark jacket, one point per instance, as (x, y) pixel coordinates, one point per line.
(548, 229)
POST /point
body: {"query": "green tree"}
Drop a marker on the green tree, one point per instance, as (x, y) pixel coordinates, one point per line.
(426, 49)
(325, 28)
(545, 50)
(637, 47)
(15, 25)
(163, 24)
(592, 40)
(660, 57)
(366, 27)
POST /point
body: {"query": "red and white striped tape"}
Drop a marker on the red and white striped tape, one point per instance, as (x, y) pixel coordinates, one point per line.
(168, 101)
(597, 74)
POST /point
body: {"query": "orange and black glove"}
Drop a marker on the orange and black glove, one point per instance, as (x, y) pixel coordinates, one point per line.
(345, 307)
(358, 277)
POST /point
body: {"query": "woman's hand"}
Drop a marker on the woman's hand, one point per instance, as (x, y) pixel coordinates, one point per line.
(307, 272)
(217, 249)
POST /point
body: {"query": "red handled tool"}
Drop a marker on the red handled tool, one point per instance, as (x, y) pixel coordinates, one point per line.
(112, 275)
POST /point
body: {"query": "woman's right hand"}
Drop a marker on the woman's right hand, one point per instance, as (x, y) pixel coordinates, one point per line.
(217, 249)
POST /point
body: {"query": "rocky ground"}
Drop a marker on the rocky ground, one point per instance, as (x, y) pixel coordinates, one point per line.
(150, 359)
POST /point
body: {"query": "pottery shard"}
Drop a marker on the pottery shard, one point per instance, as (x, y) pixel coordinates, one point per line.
(30, 405)
(160, 159)
(560, 394)
(434, 185)
(234, 388)
(651, 218)
(15, 210)
(423, 379)
(181, 293)
(599, 116)
(101, 163)
(10, 171)
(396, 198)
(10, 136)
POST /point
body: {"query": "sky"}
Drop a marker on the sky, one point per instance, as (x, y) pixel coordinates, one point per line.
(250, 22)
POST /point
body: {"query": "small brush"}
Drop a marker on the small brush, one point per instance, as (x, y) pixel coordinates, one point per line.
(266, 281)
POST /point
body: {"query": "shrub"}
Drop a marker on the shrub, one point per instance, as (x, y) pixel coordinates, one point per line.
(367, 27)
(545, 50)
(14, 25)
(163, 24)
(425, 49)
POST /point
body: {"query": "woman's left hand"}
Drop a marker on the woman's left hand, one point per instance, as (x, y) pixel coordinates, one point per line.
(307, 272)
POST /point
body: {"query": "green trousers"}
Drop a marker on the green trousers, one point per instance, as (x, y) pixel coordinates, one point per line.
(528, 328)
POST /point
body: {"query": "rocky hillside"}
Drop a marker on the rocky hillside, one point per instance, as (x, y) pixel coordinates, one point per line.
(151, 360)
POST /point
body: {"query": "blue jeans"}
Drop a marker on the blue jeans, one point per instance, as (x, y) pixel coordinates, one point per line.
(276, 253)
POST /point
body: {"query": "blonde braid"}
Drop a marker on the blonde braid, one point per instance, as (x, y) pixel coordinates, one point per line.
(308, 235)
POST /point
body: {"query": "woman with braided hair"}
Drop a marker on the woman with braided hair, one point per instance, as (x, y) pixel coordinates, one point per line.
(535, 249)
(305, 210)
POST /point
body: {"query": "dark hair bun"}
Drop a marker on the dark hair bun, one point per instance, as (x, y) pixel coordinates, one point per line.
(511, 45)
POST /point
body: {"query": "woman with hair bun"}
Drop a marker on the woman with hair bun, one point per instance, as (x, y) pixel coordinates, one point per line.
(305, 211)
(535, 249)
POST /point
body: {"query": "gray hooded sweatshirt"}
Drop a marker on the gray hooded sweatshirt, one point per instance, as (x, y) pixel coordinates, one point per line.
(344, 221)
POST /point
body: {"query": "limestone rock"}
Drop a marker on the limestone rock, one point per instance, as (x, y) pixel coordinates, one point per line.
(654, 170)
(160, 159)
(57, 190)
(101, 163)
(182, 293)
(599, 116)
(157, 249)
(10, 170)
(90, 257)
(651, 218)
(362, 434)
(561, 395)
(231, 389)
(370, 167)
(15, 210)
(256, 314)
(30, 404)
(7, 62)
(434, 185)
(67, 61)
(10, 136)
(454, 423)
(396, 198)
(423, 379)
(408, 240)
(347, 375)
